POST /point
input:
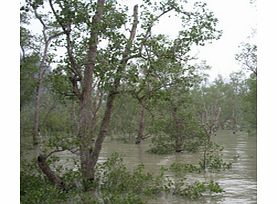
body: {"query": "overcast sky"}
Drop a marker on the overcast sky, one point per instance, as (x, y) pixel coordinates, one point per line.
(237, 19)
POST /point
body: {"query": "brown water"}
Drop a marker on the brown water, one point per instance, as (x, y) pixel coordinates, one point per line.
(239, 182)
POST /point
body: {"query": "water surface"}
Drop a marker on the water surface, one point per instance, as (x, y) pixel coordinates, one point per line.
(239, 182)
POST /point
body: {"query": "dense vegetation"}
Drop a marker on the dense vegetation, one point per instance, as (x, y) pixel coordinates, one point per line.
(99, 71)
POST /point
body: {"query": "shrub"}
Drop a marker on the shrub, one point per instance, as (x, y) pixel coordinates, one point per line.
(34, 188)
(182, 168)
(162, 144)
(212, 158)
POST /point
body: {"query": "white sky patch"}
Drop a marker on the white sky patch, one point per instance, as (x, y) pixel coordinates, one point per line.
(237, 18)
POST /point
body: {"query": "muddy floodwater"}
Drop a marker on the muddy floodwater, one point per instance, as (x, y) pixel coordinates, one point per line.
(239, 182)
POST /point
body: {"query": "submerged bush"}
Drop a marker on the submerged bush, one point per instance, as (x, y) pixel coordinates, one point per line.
(192, 145)
(162, 144)
(113, 184)
(212, 158)
(118, 185)
(113, 177)
(181, 168)
(196, 190)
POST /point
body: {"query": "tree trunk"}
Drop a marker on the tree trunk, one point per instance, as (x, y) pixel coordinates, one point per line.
(89, 156)
(42, 69)
(112, 94)
(86, 112)
(234, 122)
(103, 131)
(216, 119)
(141, 126)
(178, 131)
(37, 114)
(86, 136)
(49, 173)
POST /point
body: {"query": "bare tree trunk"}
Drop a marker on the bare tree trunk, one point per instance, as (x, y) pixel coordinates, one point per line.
(141, 126)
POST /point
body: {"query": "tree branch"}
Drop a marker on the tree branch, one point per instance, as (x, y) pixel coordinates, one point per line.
(61, 150)
(53, 178)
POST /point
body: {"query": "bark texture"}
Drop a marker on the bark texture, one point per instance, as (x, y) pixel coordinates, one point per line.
(86, 112)
(178, 131)
(141, 126)
(112, 94)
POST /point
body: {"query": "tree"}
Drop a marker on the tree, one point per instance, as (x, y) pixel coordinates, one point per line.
(29, 61)
(248, 60)
(28, 69)
(250, 105)
(209, 101)
(91, 66)
(175, 120)
(48, 35)
(248, 57)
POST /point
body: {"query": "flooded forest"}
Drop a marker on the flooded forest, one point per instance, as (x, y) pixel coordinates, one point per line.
(114, 111)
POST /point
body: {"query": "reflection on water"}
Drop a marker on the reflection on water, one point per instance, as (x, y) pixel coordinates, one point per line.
(239, 182)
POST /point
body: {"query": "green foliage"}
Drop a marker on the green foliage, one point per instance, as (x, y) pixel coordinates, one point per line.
(196, 190)
(212, 158)
(192, 145)
(122, 198)
(118, 185)
(215, 187)
(247, 57)
(113, 183)
(62, 140)
(164, 130)
(250, 104)
(34, 188)
(159, 72)
(59, 84)
(191, 191)
(28, 83)
(124, 122)
(114, 178)
(59, 117)
(161, 144)
(182, 168)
